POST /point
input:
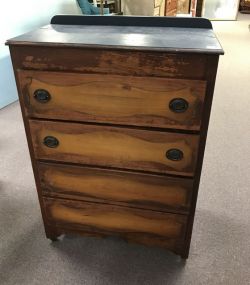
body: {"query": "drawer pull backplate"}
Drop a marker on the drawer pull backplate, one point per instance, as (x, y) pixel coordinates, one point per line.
(42, 96)
(174, 154)
(51, 142)
(178, 105)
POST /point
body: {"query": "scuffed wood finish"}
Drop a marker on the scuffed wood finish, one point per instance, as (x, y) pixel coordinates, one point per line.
(115, 147)
(135, 63)
(109, 175)
(116, 187)
(140, 101)
(144, 226)
(160, 38)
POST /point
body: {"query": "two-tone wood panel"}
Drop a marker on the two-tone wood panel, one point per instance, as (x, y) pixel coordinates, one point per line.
(144, 226)
(129, 100)
(123, 62)
(136, 149)
(119, 187)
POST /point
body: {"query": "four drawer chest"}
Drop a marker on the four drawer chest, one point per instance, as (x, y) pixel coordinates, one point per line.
(116, 112)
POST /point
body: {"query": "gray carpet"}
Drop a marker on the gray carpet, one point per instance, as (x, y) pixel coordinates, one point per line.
(220, 249)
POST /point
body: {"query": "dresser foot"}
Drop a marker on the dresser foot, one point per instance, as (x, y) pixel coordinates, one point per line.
(53, 239)
(52, 234)
(184, 255)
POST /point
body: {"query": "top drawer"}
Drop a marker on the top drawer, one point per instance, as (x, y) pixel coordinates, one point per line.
(125, 100)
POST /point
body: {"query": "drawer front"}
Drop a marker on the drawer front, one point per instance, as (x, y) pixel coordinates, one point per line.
(115, 147)
(141, 63)
(124, 188)
(142, 101)
(139, 225)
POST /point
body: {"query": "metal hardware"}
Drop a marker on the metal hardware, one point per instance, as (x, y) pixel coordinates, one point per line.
(178, 105)
(42, 96)
(174, 154)
(51, 142)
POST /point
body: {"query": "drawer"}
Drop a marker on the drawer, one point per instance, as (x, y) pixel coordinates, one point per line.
(126, 100)
(121, 188)
(153, 151)
(148, 227)
(104, 61)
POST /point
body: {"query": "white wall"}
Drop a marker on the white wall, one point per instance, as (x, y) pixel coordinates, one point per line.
(18, 17)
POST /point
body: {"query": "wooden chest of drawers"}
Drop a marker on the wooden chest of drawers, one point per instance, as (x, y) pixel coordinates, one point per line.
(116, 117)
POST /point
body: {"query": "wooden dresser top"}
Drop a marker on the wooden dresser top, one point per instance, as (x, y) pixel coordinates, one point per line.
(131, 36)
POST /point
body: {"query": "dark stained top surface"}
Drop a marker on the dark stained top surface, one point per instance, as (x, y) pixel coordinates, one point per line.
(169, 39)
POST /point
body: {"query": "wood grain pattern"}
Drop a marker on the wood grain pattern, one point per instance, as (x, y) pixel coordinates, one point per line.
(107, 33)
(115, 147)
(211, 77)
(143, 226)
(135, 63)
(140, 101)
(142, 151)
(116, 187)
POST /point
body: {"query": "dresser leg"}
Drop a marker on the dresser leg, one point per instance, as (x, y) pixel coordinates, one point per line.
(53, 237)
(185, 253)
(184, 256)
(51, 233)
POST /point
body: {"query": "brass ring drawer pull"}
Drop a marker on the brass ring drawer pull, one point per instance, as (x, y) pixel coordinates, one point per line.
(178, 105)
(174, 154)
(51, 142)
(42, 96)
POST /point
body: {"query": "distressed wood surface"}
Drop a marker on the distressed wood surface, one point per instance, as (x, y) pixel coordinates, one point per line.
(166, 39)
(116, 187)
(133, 63)
(115, 147)
(149, 145)
(211, 77)
(143, 226)
(140, 101)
